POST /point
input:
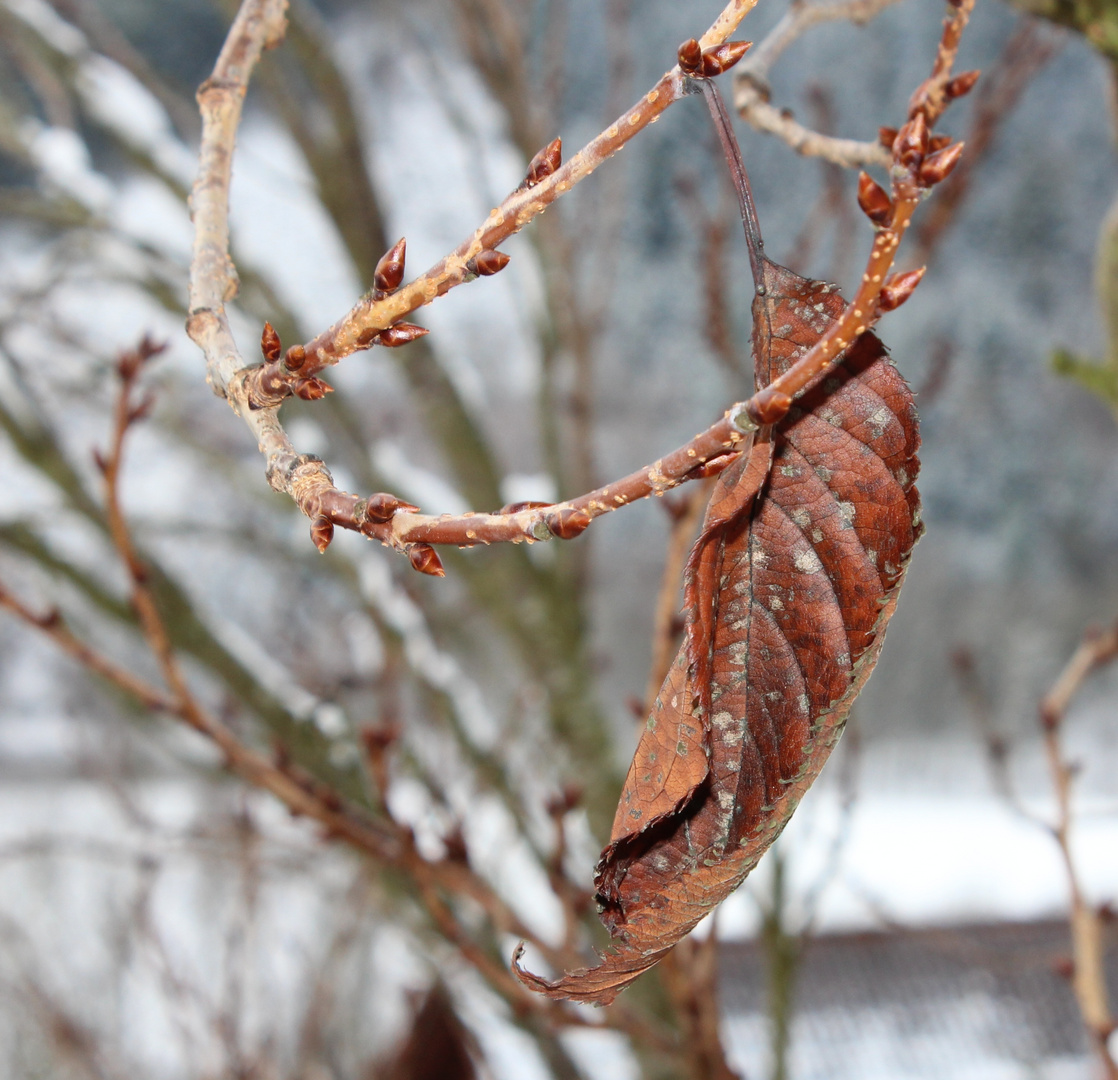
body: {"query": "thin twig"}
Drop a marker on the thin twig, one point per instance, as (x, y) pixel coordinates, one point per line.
(751, 85)
(213, 278)
(686, 515)
(1088, 948)
(1027, 51)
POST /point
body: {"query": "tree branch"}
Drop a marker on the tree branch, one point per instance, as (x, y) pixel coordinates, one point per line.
(1088, 949)
(752, 90)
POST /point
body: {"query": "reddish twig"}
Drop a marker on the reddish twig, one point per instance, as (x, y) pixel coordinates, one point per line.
(686, 513)
(919, 162)
(917, 165)
(1026, 52)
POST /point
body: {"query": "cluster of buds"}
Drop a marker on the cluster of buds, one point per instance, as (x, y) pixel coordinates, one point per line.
(700, 63)
(921, 159)
(280, 376)
(387, 278)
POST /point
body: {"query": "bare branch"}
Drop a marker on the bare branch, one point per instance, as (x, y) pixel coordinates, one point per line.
(1088, 947)
(752, 92)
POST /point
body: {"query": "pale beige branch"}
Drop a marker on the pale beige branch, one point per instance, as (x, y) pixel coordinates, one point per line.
(1088, 944)
(751, 85)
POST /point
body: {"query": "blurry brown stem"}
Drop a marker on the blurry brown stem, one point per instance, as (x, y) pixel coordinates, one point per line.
(1089, 976)
(686, 515)
(691, 977)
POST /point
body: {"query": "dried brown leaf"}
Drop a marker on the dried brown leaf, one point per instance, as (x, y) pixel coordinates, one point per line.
(789, 589)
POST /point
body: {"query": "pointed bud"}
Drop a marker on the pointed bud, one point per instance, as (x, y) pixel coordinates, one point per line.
(887, 136)
(567, 523)
(690, 57)
(401, 334)
(322, 532)
(487, 263)
(938, 142)
(768, 406)
(99, 461)
(873, 200)
(381, 507)
(912, 142)
(390, 270)
(311, 389)
(544, 163)
(961, 85)
(898, 288)
(938, 166)
(270, 343)
(425, 559)
(723, 57)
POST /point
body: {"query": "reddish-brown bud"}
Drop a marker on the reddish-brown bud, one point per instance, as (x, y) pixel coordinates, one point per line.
(887, 136)
(390, 270)
(690, 57)
(269, 343)
(311, 389)
(425, 559)
(295, 358)
(961, 85)
(401, 334)
(322, 532)
(721, 58)
(874, 201)
(455, 843)
(938, 166)
(898, 288)
(378, 739)
(382, 506)
(487, 263)
(544, 163)
(938, 142)
(912, 142)
(564, 801)
(768, 406)
(567, 522)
